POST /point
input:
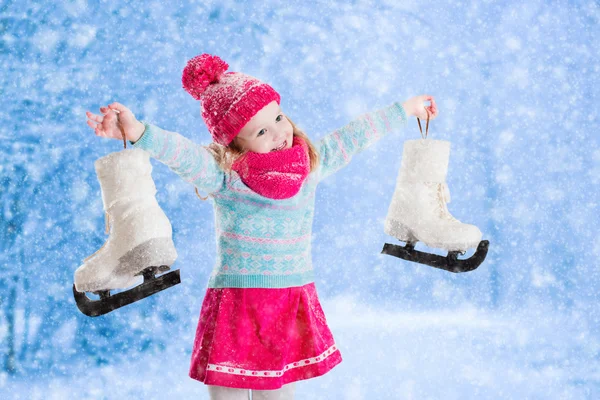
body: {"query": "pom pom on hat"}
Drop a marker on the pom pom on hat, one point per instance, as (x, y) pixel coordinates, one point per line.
(200, 72)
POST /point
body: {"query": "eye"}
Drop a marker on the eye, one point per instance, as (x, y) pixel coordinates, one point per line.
(261, 132)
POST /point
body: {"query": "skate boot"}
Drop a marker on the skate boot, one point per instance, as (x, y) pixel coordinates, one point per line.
(140, 241)
(418, 211)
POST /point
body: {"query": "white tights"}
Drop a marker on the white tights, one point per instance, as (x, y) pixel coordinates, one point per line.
(286, 392)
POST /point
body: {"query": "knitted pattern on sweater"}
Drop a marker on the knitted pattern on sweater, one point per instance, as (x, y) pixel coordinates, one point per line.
(263, 242)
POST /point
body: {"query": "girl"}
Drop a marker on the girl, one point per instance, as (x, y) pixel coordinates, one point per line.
(261, 325)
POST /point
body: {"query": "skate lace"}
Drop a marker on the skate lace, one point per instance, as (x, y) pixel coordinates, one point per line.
(107, 230)
(442, 193)
(442, 196)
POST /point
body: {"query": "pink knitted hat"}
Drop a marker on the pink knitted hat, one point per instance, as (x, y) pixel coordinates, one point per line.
(229, 99)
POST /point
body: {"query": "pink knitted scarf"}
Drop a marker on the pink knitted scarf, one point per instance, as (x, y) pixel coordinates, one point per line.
(276, 174)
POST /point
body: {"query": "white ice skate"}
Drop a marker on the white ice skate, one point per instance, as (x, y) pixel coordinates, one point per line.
(418, 211)
(140, 241)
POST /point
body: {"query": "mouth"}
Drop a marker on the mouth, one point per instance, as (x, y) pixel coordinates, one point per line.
(281, 146)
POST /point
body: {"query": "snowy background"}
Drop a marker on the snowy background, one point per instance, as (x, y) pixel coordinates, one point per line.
(517, 90)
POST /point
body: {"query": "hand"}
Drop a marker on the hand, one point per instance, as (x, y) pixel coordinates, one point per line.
(116, 121)
(414, 106)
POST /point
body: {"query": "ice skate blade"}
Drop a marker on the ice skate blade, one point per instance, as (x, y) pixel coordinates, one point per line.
(108, 302)
(448, 263)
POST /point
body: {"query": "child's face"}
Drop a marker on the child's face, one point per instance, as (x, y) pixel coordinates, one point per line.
(268, 129)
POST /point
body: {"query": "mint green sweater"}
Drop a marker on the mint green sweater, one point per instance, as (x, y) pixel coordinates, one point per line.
(263, 242)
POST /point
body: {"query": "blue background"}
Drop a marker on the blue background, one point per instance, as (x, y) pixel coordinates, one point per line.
(517, 90)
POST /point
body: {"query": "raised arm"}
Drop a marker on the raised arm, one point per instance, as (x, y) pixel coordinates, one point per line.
(192, 162)
(337, 148)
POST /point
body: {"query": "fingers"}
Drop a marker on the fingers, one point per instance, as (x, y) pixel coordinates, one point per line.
(431, 112)
(118, 106)
(428, 97)
(94, 117)
(433, 103)
(433, 107)
(95, 122)
(97, 128)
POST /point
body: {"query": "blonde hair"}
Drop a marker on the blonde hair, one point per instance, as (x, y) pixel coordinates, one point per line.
(227, 155)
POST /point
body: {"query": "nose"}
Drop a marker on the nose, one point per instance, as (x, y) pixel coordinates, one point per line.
(278, 137)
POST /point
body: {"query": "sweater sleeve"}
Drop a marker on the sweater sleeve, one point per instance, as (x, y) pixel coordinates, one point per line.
(337, 148)
(189, 160)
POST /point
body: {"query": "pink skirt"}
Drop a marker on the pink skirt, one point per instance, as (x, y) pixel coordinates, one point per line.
(258, 338)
